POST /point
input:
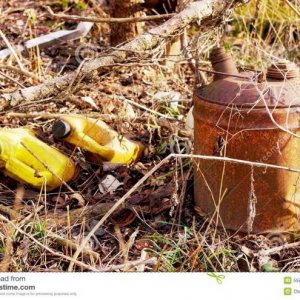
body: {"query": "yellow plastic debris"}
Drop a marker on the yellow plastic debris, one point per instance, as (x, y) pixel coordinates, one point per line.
(25, 158)
(98, 138)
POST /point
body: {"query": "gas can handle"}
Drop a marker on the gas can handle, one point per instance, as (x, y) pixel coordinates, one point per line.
(102, 150)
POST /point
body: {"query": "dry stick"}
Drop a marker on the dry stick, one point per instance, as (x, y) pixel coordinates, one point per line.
(238, 161)
(12, 79)
(46, 116)
(70, 244)
(108, 20)
(293, 7)
(156, 37)
(30, 216)
(145, 108)
(150, 261)
(20, 71)
(278, 249)
(153, 170)
(12, 50)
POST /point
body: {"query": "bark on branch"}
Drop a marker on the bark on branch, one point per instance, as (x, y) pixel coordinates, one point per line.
(199, 11)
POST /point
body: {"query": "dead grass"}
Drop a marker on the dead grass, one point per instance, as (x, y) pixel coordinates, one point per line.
(180, 240)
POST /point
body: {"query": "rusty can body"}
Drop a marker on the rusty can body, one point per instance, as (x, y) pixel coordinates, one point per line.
(241, 197)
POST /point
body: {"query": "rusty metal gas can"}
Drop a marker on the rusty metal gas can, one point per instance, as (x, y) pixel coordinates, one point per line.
(247, 116)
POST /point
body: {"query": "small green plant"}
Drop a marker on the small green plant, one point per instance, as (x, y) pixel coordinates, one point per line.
(64, 4)
(172, 252)
(39, 230)
(80, 5)
(162, 147)
(31, 16)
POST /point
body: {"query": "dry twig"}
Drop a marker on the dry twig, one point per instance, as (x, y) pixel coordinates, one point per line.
(156, 37)
(107, 20)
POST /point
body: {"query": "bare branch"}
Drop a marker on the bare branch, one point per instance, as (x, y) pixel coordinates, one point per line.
(156, 37)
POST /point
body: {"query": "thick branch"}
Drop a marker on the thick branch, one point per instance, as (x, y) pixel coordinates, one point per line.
(196, 11)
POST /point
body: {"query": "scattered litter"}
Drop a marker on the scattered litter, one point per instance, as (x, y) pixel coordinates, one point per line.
(50, 39)
(109, 184)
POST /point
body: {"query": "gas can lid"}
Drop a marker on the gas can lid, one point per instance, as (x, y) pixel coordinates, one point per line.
(283, 69)
(61, 129)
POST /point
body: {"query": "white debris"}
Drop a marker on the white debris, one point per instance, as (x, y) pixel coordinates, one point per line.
(20, 23)
(90, 101)
(127, 111)
(109, 184)
(52, 38)
(172, 97)
(189, 124)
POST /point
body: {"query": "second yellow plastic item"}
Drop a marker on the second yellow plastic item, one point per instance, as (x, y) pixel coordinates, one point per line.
(97, 137)
(27, 159)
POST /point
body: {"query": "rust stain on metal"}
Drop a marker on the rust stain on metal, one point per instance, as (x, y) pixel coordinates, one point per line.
(239, 118)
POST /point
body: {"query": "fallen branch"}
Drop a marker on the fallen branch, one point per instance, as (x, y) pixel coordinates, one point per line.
(237, 161)
(204, 10)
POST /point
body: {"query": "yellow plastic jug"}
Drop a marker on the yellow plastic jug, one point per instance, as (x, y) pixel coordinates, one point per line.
(27, 159)
(98, 138)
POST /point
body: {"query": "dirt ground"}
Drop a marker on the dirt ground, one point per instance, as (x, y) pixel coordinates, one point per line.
(41, 230)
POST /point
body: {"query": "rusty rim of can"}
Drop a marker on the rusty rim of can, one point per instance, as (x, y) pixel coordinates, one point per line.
(283, 69)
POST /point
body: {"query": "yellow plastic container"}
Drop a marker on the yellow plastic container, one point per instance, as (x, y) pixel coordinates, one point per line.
(27, 159)
(98, 138)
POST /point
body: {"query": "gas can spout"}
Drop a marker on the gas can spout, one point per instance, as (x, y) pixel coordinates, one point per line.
(222, 63)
